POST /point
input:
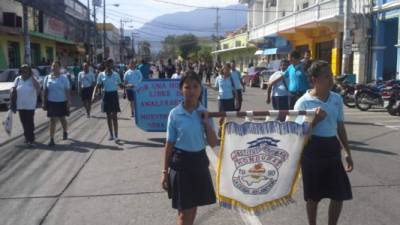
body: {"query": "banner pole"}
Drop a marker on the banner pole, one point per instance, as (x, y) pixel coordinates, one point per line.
(262, 113)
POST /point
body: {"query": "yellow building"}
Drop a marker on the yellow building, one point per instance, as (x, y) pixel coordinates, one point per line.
(236, 47)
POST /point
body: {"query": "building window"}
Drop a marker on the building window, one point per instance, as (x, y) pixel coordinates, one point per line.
(272, 3)
(225, 46)
(305, 5)
(70, 3)
(238, 43)
(14, 60)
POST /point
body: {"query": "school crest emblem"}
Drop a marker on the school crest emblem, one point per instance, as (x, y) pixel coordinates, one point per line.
(257, 167)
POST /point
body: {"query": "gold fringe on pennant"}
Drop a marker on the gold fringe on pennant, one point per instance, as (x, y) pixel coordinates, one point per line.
(229, 203)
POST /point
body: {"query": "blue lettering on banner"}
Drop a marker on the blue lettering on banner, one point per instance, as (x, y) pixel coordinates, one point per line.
(154, 99)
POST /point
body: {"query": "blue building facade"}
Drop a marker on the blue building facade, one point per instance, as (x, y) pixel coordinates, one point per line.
(386, 40)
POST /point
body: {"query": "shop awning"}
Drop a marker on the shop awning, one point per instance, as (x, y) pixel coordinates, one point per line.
(51, 37)
(275, 51)
(259, 52)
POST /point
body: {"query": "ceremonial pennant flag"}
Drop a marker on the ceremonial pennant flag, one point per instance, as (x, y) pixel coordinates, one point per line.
(259, 163)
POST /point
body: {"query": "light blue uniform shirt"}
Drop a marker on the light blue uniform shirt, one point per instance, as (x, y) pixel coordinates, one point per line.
(279, 88)
(224, 86)
(110, 83)
(56, 88)
(86, 79)
(333, 108)
(133, 77)
(298, 81)
(236, 79)
(186, 129)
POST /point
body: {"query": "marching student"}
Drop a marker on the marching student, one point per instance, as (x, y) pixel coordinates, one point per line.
(132, 78)
(239, 84)
(178, 74)
(324, 175)
(56, 99)
(86, 83)
(109, 82)
(186, 176)
(227, 94)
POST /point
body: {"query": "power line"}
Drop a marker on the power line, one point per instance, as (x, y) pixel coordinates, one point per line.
(167, 26)
(233, 9)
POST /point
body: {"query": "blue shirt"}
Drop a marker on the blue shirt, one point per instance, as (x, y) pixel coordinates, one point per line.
(185, 129)
(225, 88)
(298, 81)
(133, 77)
(110, 83)
(145, 69)
(333, 108)
(236, 79)
(57, 88)
(86, 79)
(279, 88)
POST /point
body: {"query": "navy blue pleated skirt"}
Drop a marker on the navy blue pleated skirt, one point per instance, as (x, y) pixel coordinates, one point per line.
(323, 173)
(190, 184)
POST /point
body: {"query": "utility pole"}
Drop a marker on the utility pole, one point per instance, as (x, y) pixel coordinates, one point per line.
(27, 41)
(88, 34)
(95, 32)
(347, 38)
(104, 30)
(121, 42)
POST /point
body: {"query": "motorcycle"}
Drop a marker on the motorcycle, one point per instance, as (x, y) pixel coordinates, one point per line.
(391, 99)
(369, 95)
(346, 90)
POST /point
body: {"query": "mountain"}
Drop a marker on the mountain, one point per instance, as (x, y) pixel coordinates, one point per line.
(200, 22)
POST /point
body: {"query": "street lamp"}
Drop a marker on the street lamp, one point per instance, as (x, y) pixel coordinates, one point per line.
(104, 27)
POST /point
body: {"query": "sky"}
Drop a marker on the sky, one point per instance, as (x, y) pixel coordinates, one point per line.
(146, 10)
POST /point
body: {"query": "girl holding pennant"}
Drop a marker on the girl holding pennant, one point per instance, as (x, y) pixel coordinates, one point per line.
(324, 175)
(186, 176)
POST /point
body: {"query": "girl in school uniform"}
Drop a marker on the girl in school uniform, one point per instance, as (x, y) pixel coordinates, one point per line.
(324, 175)
(227, 95)
(132, 78)
(56, 100)
(109, 82)
(86, 83)
(186, 176)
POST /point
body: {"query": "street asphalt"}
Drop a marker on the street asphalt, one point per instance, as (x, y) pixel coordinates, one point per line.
(88, 180)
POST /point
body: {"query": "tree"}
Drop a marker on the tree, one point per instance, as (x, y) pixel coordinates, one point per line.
(169, 47)
(187, 43)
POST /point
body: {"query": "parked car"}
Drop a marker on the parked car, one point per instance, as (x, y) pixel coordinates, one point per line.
(7, 78)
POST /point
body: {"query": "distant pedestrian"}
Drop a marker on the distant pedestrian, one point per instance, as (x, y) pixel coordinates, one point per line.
(132, 79)
(298, 81)
(27, 88)
(178, 74)
(170, 69)
(145, 68)
(227, 95)
(279, 92)
(57, 100)
(161, 69)
(186, 175)
(239, 85)
(324, 175)
(109, 81)
(307, 60)
(86, 83)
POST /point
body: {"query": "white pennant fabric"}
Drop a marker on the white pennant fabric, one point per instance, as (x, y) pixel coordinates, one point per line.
(259, 162)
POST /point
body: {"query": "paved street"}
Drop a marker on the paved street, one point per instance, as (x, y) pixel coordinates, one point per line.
(89, 180)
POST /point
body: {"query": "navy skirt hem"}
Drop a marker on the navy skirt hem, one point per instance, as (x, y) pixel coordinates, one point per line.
(111, 102)
(323, 173)
(190, 184)
(57, 109)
